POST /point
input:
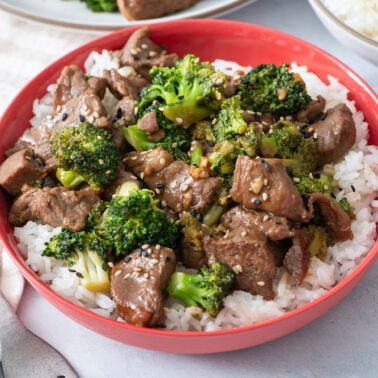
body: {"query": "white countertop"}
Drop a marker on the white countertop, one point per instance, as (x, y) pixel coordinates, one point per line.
(342, 343)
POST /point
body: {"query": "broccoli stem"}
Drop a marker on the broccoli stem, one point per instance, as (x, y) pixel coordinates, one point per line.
(212, 217)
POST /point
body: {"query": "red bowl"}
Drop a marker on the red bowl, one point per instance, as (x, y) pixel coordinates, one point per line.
(210, 39)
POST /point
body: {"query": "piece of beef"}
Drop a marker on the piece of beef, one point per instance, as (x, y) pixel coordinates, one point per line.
(248, 253)
(142, 54)
(124, 86)
(57, 207)
(274, 227)
(172, 181)
(149, 123)
(297, 258)
(263, 184)
(337, 220)
(335, 135)
(138, 283)
(122, 114)
(20, 169)
(145, 9)
(72, 82)
(313, 111)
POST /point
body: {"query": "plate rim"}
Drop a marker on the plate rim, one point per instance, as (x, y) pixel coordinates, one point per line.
(215, 11)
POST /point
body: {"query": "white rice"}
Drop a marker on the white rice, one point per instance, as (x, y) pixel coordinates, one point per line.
(357, 178)
(360, 15)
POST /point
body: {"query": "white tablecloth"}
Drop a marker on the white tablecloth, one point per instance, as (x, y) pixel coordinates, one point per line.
(342, 343)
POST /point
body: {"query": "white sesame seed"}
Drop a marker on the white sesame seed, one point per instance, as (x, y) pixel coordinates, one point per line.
(145, 246)
(127, 275)
(243, 233)
(155, 261)
(260, 283)
(117, 273)
(162, 161)
(265, 196)
(179, 120)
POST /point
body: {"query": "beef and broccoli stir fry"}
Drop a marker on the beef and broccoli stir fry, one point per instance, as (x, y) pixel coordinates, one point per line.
(191, 168)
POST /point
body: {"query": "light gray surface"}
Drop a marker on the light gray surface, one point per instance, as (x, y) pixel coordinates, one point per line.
(342, 343)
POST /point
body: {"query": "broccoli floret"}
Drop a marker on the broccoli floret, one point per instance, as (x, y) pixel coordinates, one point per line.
(313, 183)
(176, 141)
(101, 5)
(230, 123)
(206, 289)
(187, 93)
(85, 254)
(222, 157)
(273, 89)
(85, 153)
(132, 218)
(286, 141)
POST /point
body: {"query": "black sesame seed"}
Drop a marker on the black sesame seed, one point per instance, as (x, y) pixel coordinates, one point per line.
(333, 195)
(71, 270)
(167, 259)
(145, 253)
(353, 188)
(257, 118)
(316, 175)
(127, 259)
(79, 275)
(323, 116)
(280, 124)
(256, 202)
(140, 251)
(64, 116)
(267, 166)
(193, 213)
(180, 97)
(81, 118)
(289, 170)
(211, 144)
(159, 185)
(277, 222)
(262, 161)
(199, 217)
(119, 113)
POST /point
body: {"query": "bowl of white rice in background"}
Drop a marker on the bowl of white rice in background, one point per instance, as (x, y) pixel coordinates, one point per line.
(246, 320)
(354, 23)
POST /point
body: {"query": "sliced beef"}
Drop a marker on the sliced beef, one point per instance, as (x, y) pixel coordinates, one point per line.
(248, 253)
(297, 258)
(122, 86)
(72, 82)
(335, 135)
(144, 9)
(172, 181)
(263, 184)
(274, 227)
(148, 123)
(313, 111)
(142, 54)
(56, 207)
(37, 139)
(20, 169)
(138, 283)
(121, 115)
(337, 220)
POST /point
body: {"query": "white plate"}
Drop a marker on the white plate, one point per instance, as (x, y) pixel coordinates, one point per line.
(75, 14)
